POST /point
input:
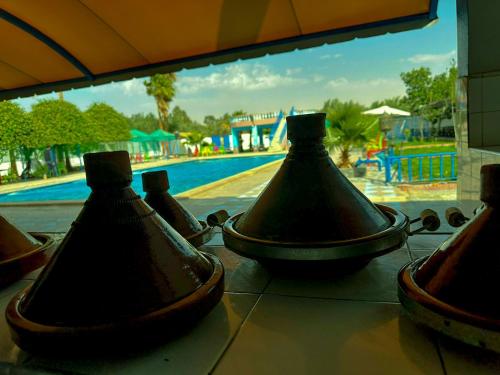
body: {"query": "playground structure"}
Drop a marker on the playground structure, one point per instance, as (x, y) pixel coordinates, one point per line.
(264, 130)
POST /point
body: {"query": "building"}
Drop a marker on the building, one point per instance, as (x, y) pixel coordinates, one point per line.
(261, 131)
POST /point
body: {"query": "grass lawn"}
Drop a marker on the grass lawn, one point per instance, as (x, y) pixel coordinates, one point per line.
(425, 143)
(432, 148)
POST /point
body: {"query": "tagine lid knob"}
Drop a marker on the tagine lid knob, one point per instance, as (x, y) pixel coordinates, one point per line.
(490, 184)
(104, 169)
(155, 182)
(309, 126)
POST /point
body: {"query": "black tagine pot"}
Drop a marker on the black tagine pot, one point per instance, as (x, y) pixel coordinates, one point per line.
(156, 186)
(453, 291)
(310, 214)
(122, 276)
(21, 252)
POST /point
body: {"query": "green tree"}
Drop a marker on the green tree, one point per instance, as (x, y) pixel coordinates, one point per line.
(58, 123)
(105, 124)
(15, 129)
(349, 128)
(221, 125)
(432, 97)
(398, 102)
(210, 122)
(161, 87)
(418, 84)
(179, 120)
(195, 139)
(147, 123)
(442, 99)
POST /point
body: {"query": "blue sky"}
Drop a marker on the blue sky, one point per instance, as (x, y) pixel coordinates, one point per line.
(363, 70)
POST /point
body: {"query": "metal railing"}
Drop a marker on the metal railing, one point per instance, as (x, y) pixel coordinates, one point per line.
(419, 167)
(264, 116)
(255, 117)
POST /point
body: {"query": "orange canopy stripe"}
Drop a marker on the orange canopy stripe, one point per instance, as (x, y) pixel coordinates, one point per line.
(60, 44)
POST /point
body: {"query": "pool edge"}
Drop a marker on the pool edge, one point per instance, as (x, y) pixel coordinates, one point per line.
(202, 188)
(182, 195)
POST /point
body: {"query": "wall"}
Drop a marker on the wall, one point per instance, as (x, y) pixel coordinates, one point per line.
(477, 119)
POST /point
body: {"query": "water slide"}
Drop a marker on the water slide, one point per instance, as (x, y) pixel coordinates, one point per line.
(279, 132)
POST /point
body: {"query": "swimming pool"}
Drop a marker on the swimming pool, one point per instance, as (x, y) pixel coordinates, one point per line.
(182, 176)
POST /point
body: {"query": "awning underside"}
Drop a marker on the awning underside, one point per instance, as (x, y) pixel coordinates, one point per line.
(59, 44)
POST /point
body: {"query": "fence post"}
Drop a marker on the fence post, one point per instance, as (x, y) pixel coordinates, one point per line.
(441, 167)
(387, 166)
(420, 168)
(430, 168)
(410, 172)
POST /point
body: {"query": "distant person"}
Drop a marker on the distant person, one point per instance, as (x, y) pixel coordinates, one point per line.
(49, 160)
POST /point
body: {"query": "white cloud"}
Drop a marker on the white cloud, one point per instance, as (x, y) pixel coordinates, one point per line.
(359, 84)
(329, 56)
(133, 86)
(337, 82)
(317, 78)
(433, 58)
(292, 71)
(367, 85)
(242, 77)
(129, 88)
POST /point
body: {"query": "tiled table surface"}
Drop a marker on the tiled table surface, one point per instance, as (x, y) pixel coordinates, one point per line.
(270, 324)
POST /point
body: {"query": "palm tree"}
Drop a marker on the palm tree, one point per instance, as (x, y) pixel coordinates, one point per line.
(349, 129)
(161, 87)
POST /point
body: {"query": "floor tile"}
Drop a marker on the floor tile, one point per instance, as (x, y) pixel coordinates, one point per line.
(42, 218)
(14, 369)
(13, 288)
(375, 282)
(216, 240)
(241, 274)
(426, 241)
(292, 335)
(417, 254)
(9, 352)
(194, 353)
(460, 358)
(33, 275)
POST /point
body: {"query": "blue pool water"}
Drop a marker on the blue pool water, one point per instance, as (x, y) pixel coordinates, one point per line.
(182, 177)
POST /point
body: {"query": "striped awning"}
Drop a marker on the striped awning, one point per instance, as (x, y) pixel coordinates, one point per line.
(48, 45)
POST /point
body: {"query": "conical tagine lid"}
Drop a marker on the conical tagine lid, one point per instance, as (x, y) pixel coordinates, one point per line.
(310, 214)
(309, 199)
(118, 270)
(21, 252)
(156, 185)
(14, 241)
(458, 283)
